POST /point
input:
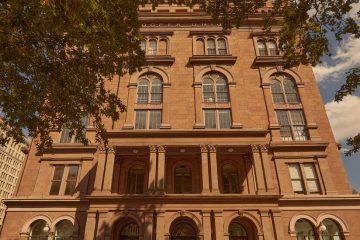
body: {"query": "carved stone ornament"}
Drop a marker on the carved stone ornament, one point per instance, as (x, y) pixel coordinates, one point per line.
(264, 148)
(103, 149)
(152, 148)
(255, 148)
(203, 148)
(125, 212)
(161, 148)
(182, 213)
(212, 148)
(241, 213)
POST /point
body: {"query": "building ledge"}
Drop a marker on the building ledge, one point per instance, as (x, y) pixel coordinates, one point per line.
(299, 145)
(160, 60)
(266, 60)
(215, 59)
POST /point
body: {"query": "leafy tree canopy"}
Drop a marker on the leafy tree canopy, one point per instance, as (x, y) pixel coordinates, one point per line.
(56, 55)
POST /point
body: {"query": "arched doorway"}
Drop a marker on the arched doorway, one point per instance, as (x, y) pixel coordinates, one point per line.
(183, 229)
(237, 232)
(242, 228)
(126, 229)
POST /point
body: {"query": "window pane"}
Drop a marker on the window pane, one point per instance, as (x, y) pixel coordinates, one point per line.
(211, 47)
(140, 121)
(152, 47)
(297, 117)
(282, 118)
(296, 178)
(37, 230)
(222, 46)
(58, 172)
(155, 119)
(290, 91)
(262, 48)
(55, 187)
(277, 92)
(71, 180)
(64, 230)
(143, 91)
(143, 45)
(56, 181)
(295, 171)
(208, 90)
(273, 48)
(162, 47)
(210, 119)
(222, 93)
(311, 178)
(224, 118)
(304, 230)
(156, 91)
(65, 136)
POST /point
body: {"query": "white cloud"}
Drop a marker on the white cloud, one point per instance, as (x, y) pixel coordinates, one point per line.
(345, 57)
(344, 117)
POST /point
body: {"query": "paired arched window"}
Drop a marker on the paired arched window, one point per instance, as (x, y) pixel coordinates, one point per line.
(237, 232)
(130, 232)
(211, 46)
(215, 88)
(304, 230)
(37, 230)
(267, 48)
(332, 231)
(136, 179)
(230, 179)
(155, 46)
(183, 179)
(283, 90)
(64, 230)
(150, 89)
(183, 230)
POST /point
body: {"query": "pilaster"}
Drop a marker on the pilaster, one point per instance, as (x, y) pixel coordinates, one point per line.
(160, 223)
(129, 119)
(219, 225)
(161, 169)
(109, 169)
(152, 169)
(206, 221)
(213, 169)
(166, 109)
(205, 169)
(259, 173)
(235, 114)
(199, 119)
(267, 168)
(99, 178)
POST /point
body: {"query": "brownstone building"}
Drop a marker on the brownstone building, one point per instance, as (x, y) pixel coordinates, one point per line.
(218, 142)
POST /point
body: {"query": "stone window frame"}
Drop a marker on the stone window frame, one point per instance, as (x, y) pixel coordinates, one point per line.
(85, 120)
(266, 40)
(205, 38)
(158, 37)
(125, 164)
(129, 167)
(64, 178)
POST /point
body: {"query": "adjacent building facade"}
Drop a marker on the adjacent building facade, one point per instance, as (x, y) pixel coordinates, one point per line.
(218, 142)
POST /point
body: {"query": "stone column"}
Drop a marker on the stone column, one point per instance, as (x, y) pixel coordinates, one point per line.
(160, 223)
(205, 169)
(165, 124)
(213, 169)
(219, 225)
(109, 169)
(90, 226)
(235, 111)
(199, 119)
(148, 225)
(250, 174)
(267, 225)
(279, 225)
(161, 169)
(99, 178)
(152, 169)
(206, 221)
(259, 174)
(129, 120)
(116, 177)
(267, 168)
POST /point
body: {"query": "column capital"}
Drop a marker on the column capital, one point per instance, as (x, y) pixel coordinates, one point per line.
(255, 148)
(203, 148)
(212, 148)
(264, 148)
(106, 148)
(161, 148)
(152, 148)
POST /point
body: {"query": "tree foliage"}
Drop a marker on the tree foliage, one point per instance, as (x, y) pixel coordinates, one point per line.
(55, 58)
(57, 54)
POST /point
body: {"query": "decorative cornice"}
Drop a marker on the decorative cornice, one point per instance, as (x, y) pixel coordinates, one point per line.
(219, 32)
(255, 148)
(157, 33)
(106, 148)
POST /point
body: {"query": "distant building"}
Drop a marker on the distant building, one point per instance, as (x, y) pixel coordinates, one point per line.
(219, 142)
(12, 158)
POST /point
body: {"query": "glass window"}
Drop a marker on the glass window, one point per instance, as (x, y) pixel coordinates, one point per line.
(222, 91)
(143, 45)
(130, 232)
(56, 181)
(143, 91)
(140, 119)
(224, 118)
(71, 180)
(183, 179)
(152, 47)
(277, 92)
(290, 91)
(311, 178)
(300, 133)
(294, 129)
(155, 119)
(285, 129)
(84, 122)
(208, 90)
(156, 91)
(222, 46)
(211, 50)
(230, 180)
(296, 178)
(200, 47)
(262, 48)
(184, 231)
(210, 118)
(237, 232)
(64, 230)
(332, 231)
(37, 231)
(65, 136)
(273, 49)
(304, 230)
(136, 180)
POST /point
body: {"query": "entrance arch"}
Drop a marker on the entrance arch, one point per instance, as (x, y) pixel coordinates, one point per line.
(126, 229)
(242, 228)
(183, 228)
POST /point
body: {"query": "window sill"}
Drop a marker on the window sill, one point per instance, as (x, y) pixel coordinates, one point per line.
(159, 59)
(217, 59)
(260, 60)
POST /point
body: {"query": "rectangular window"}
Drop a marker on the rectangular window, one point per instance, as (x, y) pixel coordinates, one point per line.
(296, 178)
(292, 125)
(210, 118)
(155, 119)
(65, 136)
(217, 118)
(298, 121)
(71, 180)
(311, 178)
(140, 119)
(56, 181)
(224, 118)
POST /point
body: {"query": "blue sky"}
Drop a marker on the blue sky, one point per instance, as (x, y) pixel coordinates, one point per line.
(344, 116)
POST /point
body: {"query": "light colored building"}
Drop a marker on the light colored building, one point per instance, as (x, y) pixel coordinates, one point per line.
(11, 162)
(218, 142)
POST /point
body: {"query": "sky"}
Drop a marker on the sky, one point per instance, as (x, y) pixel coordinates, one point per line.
(344, 116)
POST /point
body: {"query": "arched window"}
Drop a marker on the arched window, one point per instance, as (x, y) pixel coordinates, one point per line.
(332, 231)
(230, 179)
(208, 90)
(183, 179)
(237, 232)
(273, 49)
(290, 91)
(163, 47)
(130, 232)
(211, 49)
(136, 179)
(64, 230)
(37, 231)
(143, 91)
(143, 45)
(222, 46)
(221, 93)
(183, 230)
(152, 47)
(304, 230)
(277, 92)
(200, 47)
(156, 90)
(262, 48)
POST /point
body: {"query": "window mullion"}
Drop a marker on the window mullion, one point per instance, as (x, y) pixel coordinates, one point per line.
(64, 180)
(304, 181)
(291, 124)
(216, 46)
